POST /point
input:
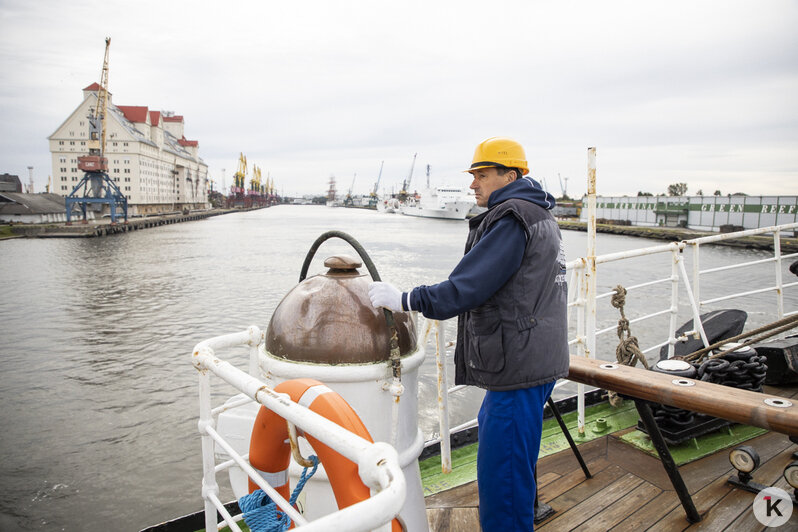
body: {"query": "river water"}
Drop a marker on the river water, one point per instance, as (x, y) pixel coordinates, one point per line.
(99, 399)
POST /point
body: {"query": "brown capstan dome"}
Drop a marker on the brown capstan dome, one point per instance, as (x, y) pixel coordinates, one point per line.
(329, 319)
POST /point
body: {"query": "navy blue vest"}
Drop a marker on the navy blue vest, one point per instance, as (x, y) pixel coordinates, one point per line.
(519, 337)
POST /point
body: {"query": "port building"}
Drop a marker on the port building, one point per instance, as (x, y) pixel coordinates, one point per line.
(708, 213)
(149, 157)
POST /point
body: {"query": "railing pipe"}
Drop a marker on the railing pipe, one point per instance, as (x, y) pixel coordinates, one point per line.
(443, 399)
(697, 275)
(674, 303)
(779, 287)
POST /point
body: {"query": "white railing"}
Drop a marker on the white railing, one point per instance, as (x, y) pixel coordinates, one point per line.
(378, 463)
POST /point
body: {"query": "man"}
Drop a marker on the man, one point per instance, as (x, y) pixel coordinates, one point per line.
(510, 294)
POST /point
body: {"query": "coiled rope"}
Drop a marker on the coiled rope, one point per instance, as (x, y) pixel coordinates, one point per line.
(261, 513)
(628, 350)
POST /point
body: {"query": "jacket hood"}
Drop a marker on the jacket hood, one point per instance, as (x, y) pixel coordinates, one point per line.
(525, 188)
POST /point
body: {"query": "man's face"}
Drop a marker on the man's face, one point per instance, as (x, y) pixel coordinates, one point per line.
(486, 180)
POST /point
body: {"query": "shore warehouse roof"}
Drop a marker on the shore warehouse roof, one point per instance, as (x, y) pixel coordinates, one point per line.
(32, 208)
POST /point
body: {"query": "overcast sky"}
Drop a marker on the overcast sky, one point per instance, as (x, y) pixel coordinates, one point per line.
(699, 92)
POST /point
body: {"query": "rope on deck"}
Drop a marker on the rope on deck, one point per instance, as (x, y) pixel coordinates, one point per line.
(261, 513)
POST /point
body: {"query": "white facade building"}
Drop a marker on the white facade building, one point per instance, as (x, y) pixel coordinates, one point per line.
(149, 158)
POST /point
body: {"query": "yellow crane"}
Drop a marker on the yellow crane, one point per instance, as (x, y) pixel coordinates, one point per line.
(240, 176)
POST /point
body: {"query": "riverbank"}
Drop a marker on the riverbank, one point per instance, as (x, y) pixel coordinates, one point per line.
(104, 227)
(788, 244)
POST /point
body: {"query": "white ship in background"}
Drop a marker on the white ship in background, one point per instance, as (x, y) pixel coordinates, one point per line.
(448, 202)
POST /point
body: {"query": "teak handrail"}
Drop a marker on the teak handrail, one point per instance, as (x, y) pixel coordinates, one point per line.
(733, 404)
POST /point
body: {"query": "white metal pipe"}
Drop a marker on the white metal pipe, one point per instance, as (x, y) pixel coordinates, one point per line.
(779, 287)
(738, 265)
(635, 287)
(740, 294)
(749, 232)
(209, 486)
(229, 406)
(641, 318)
(640, 252)
(697, 274)
(443, 399)
(674, 302)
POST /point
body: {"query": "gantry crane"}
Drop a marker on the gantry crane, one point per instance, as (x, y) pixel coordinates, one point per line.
(96, 187)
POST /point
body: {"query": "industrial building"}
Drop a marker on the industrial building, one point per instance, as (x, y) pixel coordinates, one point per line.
(149, 159)
(709, 213)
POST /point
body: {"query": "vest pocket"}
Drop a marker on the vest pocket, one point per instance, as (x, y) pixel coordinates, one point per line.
(485, 351)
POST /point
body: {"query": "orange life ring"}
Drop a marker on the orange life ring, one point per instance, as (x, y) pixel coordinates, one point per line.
(270, 452)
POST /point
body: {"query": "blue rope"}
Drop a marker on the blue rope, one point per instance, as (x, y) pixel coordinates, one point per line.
(261, 513)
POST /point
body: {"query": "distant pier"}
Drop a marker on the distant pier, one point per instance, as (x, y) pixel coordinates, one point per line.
(99, 228)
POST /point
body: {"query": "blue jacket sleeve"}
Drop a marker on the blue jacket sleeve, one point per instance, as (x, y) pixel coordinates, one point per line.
(479, 274)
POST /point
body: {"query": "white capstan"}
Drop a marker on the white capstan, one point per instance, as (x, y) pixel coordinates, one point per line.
(385, 295)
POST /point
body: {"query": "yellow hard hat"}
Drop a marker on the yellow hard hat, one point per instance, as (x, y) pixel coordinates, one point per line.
(499, 152)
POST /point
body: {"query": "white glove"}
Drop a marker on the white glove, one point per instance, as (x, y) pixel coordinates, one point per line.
(385, 295)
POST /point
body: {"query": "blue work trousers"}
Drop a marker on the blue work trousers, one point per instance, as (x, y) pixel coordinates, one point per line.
(510, 426)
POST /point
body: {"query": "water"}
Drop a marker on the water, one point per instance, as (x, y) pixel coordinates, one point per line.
(99, 397)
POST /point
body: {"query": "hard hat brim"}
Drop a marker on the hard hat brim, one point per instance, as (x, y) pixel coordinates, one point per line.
(480, 166)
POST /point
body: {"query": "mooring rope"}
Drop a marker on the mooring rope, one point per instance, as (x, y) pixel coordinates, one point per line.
(628, 350)
(771, 329)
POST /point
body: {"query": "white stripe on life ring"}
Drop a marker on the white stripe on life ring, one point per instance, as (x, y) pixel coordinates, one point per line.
(312, 393)
(274, 480)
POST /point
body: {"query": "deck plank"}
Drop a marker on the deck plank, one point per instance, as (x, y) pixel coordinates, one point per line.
(649, 513)
(593, 505)
(583, 490)
(453, 519)
(570, 480)
(465, 496)
(630, 503)
(704, 499)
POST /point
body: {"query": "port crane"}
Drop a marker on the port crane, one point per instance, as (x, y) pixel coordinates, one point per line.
(373, 195)
(406, 182)
(95, 187)
(563, 186)
(238, 191)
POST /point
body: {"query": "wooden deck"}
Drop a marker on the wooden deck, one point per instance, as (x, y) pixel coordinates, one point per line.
(631, 491)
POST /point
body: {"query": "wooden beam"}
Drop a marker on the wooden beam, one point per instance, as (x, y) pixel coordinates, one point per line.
(741, 406)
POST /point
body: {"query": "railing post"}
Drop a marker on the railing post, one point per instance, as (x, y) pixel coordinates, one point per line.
(674, 301)
(209, 485)
(443, 399)
(590, 270)
(697, 275)
(589, 283)
(580, 346)
(779, 284)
